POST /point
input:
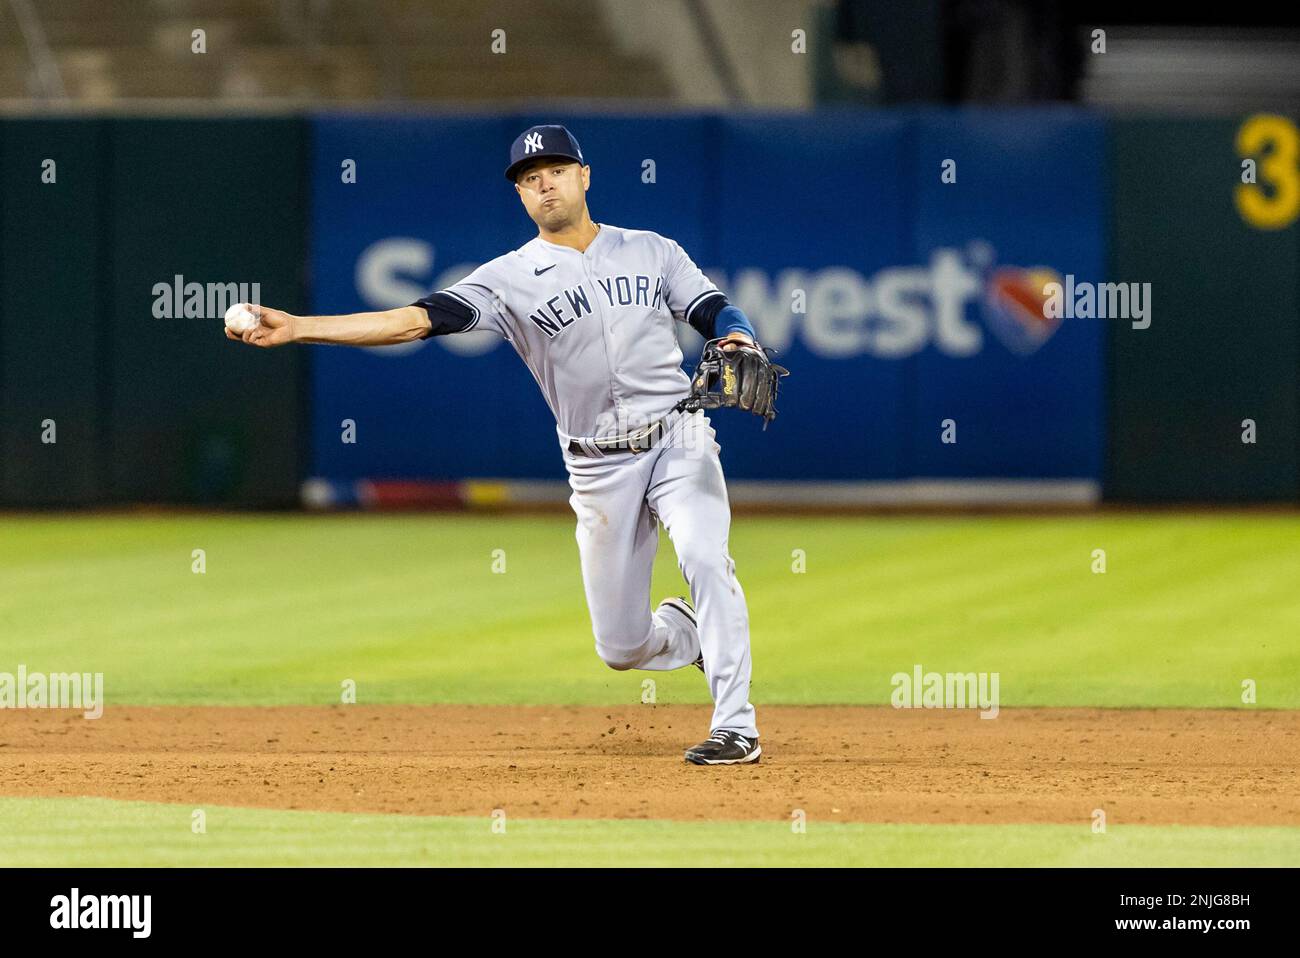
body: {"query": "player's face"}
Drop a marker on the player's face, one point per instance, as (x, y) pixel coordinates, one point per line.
(554, 192)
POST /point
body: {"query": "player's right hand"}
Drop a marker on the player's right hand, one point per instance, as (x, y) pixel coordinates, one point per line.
(275, 328)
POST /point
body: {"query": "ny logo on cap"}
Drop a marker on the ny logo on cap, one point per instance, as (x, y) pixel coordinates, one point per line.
(532, 142)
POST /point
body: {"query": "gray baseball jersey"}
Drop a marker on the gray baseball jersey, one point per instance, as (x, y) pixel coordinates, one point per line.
(595, 328)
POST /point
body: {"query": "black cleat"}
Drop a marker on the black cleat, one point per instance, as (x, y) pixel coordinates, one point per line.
(682, 604)
(724, 747)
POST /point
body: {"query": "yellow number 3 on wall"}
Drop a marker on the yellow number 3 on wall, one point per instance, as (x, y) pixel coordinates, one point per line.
(1273, 202)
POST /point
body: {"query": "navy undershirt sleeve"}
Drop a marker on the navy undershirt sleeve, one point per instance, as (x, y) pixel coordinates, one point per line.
(447, 314)
(715, 317)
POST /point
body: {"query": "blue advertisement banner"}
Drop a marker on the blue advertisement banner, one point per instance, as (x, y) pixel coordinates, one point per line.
(896, 262)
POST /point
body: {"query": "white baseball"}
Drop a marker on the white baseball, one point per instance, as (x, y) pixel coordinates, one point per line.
(243, 317)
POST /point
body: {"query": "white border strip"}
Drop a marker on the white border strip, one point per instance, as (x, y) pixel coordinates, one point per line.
(833, 495)
(920, 492)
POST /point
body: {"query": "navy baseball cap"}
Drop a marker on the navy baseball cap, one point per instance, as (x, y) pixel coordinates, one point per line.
(542, 142)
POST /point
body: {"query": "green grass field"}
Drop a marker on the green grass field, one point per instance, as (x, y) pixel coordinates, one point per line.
(89, 832)
(409, 607)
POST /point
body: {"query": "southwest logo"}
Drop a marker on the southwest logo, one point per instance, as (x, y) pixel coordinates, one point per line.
(1013, 307)
(954, 302)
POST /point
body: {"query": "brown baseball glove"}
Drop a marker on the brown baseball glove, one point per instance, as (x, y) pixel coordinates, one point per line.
(744, 376)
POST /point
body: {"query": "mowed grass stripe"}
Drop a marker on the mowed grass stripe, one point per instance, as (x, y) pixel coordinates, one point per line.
(409, 607)
(89, 832)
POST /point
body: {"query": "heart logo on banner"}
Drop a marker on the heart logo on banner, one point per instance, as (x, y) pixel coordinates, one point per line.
(1013, 307)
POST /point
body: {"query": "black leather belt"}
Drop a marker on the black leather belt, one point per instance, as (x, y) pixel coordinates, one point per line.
(638, 441)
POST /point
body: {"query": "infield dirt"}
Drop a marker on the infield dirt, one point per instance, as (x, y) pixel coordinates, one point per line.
(835, 763)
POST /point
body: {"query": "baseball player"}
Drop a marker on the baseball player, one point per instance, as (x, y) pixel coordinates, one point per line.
(590, 308)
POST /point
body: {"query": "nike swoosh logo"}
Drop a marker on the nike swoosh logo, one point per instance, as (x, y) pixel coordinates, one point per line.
(539, 272)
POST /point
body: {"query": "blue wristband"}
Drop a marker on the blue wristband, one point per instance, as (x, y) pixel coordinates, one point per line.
(732, 320)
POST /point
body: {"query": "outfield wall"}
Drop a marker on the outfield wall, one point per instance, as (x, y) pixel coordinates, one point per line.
(94, 215)
(1223, 349)
(897, 300)
(902, 298)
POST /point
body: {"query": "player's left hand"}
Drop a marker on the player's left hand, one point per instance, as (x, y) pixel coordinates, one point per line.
(732, 340)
